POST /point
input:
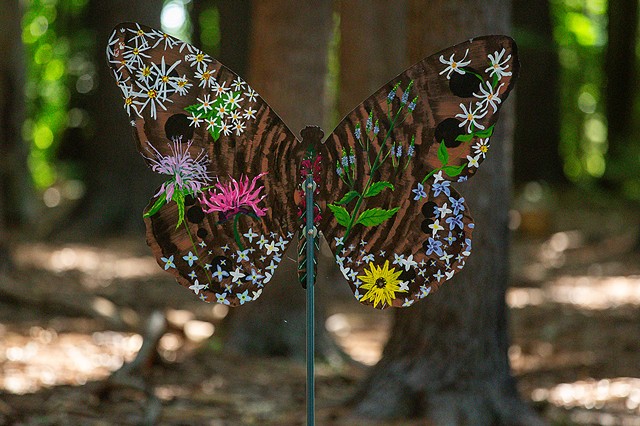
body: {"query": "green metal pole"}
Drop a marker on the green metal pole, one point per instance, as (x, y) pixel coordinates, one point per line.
(310, 235)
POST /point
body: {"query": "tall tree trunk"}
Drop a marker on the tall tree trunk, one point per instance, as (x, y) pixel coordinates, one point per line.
(446, 359)
(620, 74)
(372, 48)
(119, 185)
(13, 169)
(288, 67)
(537, 133)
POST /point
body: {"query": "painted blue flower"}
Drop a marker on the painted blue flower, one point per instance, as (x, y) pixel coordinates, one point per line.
(455, 221)
(345, 161)
(434, 246)
(220, 273)
(399, 151)
(190, 258)
(450, 238)
(405, 98)
(457, 205)
(376, 128)
(168, 262)
(339, 170)
(244, 297)
(411, 151)
(391, 96)
(352, 158)
(419, 191)
(412, 106)
(358, 132)
(369, 123)
(441, 187)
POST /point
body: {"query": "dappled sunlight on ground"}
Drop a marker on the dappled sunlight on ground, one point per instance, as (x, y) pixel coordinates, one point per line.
(44, 358)
(100, 263)
(585, 292)
(574, 310)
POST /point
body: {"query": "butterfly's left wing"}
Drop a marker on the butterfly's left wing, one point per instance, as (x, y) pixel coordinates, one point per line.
(397, 227)
(224, 216)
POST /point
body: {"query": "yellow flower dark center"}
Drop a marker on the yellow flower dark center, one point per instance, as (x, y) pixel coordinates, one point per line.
(381, 282)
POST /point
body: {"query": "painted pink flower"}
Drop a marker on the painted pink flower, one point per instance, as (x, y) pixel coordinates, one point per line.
(235, 197)
(188, 174)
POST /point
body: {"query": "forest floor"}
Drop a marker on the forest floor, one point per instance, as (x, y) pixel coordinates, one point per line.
(71, 314)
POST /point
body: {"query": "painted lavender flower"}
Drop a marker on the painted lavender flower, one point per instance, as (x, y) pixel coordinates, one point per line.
(188, 174)
(235, 197)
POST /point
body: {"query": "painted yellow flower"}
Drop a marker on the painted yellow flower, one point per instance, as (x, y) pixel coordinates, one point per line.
(381, 284)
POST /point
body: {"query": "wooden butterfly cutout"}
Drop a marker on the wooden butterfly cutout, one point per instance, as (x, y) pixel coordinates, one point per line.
(233, 198)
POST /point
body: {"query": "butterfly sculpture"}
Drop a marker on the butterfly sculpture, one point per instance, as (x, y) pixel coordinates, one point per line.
(233, 199)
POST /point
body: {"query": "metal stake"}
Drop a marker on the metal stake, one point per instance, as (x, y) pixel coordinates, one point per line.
(310, 235)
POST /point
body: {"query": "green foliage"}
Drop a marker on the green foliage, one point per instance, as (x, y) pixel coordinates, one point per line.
(57, 69)
(375, 216)
(580, 33)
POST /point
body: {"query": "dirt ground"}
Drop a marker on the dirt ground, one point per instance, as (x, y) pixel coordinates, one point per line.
(71, 314)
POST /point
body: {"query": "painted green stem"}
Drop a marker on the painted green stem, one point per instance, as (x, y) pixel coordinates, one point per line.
(236, 234)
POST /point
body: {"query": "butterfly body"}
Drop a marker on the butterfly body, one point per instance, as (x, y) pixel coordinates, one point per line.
(383, 198)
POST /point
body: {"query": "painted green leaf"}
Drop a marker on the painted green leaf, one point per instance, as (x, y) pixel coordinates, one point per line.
(348, 197)
(376, 188)
(215, 133)
(375, 216)
(341, 214)
(161, 201)
(178, 197)
(485, 133)
(465, 137)
(453, 171)
(443, 155)
(192, 108)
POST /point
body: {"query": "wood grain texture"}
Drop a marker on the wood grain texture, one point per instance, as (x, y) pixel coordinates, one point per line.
(265, 146)
(407, 232)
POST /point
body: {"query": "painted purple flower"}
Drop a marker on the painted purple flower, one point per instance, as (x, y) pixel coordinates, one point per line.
(235, 197)
(188, 174)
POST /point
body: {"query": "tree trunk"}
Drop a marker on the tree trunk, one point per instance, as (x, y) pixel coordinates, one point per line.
(288, 67)
(13, 169)
(372, 48)
(119, 185)
(446, 359)
(537, 133)
(620, 75)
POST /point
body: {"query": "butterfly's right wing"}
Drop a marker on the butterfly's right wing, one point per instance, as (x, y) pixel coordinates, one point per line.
(224, 217)
(395, 223)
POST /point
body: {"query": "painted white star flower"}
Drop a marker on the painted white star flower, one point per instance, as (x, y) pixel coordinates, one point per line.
(489, 96)
(482, 147)
(408, 263)
(473, 161)
(196, 287)
(470, 116)
(498, 65)
(237, 275)
(454, 65)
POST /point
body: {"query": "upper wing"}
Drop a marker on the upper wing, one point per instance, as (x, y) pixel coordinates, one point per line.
(397, 227)
(224, 217)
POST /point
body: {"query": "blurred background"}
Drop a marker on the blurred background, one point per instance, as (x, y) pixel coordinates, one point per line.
(80, 345)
